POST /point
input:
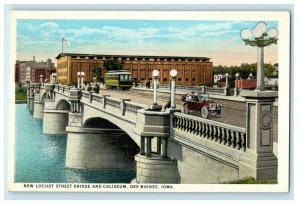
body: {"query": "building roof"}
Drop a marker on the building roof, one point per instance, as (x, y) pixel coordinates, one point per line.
(130, 56)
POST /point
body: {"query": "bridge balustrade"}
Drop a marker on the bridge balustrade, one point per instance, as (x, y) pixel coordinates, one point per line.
(228, 135)
(131, 109)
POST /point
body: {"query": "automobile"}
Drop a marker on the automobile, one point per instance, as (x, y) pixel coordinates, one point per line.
(201, 103)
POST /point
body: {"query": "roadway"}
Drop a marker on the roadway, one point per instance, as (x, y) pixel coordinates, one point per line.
(234, 110)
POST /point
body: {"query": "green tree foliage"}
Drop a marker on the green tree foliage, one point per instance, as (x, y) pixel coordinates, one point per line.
(113, 64)
(99, 69)
(244, 70)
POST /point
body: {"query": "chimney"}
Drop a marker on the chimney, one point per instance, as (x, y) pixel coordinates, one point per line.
(34, 58)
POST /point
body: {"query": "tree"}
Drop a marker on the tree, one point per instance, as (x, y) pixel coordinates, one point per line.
(98, 71)
(113, 64)
(244, 70)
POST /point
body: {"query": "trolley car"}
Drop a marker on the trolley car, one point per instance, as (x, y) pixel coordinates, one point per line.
(119, 79)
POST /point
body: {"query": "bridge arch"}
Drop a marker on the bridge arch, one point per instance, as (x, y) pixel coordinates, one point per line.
(127, 127)
(99, 143)
(63, 104)
(97, 122)
(43, 96)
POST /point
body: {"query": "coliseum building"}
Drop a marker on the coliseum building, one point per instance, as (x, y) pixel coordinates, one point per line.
(191, 70)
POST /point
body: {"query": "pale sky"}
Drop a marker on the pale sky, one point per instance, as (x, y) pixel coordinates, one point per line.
(219, 40)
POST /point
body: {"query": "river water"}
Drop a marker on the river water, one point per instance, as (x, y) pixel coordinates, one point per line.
(40, 158)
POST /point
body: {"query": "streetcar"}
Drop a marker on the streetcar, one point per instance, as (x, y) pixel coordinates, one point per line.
(118, 79)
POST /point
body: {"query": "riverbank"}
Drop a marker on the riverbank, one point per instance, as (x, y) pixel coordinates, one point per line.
(20, 101)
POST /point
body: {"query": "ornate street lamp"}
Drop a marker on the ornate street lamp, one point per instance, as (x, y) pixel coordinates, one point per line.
(54, 78)
(260, 36)
(41, 79)
(226, 83)
(173, 74)
(237, 76)
(155, 75)
(80, 76)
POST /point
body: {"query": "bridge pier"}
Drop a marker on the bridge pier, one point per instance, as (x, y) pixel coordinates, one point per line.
(153, 165)
(94, 148)
(38, 105)
(38, 109)
(31, 97)
(55, 121)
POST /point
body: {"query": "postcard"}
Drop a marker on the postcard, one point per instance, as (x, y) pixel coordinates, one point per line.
(149, 101)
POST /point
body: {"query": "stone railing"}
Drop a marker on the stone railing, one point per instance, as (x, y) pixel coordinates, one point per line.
(113, 103)
(228, 135)
(63, 88)
(121, 107)
(215, 90)
(131, 108)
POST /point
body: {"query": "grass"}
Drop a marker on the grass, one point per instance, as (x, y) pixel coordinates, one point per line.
(251, 180)
(21, 95)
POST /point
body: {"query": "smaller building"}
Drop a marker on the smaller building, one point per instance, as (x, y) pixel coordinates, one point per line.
(31, 70)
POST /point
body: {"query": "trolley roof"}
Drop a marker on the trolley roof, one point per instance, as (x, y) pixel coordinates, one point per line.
(117, 72)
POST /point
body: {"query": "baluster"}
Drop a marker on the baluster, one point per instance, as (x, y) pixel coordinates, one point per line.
(228, 135)
(238, 140)
(244, 141)
(233, 139)
(208, 131)
(204, 130)
(187, 124)
(193, 126)
(223, 141)
(177, 122)
(184, 123)
(181, 123)
(197, 130)
(217, 136)
(201, 129)
(211, 132)
(174, 122)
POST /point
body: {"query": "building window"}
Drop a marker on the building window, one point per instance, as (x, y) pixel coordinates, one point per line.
(165, 79)
(179, 79)
(186, 79)
(194, 79)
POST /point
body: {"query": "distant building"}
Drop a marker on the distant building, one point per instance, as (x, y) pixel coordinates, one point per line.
(17, 71)
(31, 70)
(191, 70)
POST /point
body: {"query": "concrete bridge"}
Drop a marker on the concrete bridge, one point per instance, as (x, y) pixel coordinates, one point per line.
(163, 147)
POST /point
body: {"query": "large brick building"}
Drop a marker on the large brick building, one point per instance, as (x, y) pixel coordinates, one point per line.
(191, 70)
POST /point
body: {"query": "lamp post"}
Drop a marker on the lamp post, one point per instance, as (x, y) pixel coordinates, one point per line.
(226, 83)
(80, 76)
(173, 74)
(155, 75)
(41, 79)
(260, 37)
(54, 78)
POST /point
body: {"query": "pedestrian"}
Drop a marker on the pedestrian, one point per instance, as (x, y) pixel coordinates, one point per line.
(89, 87)
(96, 88)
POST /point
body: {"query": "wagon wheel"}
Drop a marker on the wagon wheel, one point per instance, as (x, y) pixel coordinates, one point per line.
(204, 112)
(185, 109)
(219, 112)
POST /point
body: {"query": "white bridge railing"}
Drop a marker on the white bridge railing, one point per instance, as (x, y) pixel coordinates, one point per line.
(228, 135)
(120, 107)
